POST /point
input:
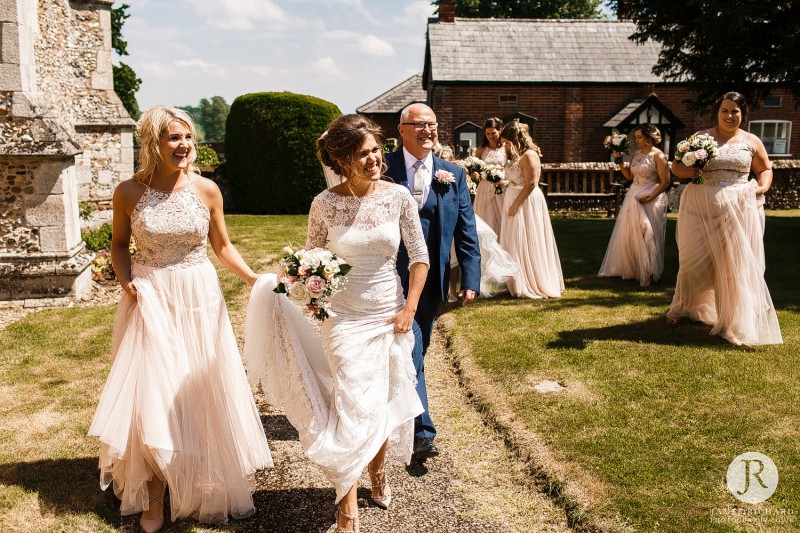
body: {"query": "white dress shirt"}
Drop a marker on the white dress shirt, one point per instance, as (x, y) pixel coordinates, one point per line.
(427, 172)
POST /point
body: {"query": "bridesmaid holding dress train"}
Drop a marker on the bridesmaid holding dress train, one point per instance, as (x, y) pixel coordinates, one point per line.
(176, 411)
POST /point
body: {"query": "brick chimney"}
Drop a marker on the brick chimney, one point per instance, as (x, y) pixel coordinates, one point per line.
(447, 10)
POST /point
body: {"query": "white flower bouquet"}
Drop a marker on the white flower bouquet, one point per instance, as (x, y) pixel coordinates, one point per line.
(311, 277)
(617, 143)
(697, 151)
(495, 174)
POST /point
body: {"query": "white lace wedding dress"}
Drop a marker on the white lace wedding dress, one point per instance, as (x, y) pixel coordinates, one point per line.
(354, 387)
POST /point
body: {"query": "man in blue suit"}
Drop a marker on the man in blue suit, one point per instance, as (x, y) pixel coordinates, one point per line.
(446, 215)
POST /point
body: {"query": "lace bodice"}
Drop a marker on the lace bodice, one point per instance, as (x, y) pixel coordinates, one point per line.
(170, 228)
(643, 168)
(366, 232)
(495, 157)
(731, 166)
(514, 174)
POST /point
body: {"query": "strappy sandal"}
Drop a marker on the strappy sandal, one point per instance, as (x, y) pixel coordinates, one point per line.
(352, 518)
(381, 491)
(151, 525)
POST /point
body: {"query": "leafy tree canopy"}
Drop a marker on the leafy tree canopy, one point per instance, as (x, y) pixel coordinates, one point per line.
(126, 82)
(209, 116)
(535, 9)
(715, 46)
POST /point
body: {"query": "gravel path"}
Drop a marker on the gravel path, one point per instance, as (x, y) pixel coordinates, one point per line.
(475, 484)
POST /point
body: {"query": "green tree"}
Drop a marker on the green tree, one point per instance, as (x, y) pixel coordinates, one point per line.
(126, 82)
(196, 114)
(213, 114)
(519, 9)
(715, 46)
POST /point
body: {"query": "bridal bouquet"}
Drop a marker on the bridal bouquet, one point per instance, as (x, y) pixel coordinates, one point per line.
(311, 277)
(697, 151)
(495, 174)
(617, 143)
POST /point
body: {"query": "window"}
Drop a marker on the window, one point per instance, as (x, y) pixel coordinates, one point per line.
(775, 135)
(508, 99)
(773, 101)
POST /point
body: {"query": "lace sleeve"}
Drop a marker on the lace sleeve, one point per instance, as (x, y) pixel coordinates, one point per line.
(411, 230)
(317, 229)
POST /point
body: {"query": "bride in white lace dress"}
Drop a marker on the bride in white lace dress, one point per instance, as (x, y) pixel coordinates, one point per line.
(351, 396)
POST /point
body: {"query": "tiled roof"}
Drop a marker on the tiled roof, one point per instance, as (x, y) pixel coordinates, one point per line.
(396, 98)
(532, 50)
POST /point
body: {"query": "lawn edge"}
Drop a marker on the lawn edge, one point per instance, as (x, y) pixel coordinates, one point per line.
(554, 478)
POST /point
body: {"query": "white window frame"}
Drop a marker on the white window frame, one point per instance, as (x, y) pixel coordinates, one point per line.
(761, 123)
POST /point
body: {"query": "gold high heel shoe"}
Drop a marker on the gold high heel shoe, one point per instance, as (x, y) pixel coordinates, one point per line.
(352, 518)
(151, 525)
(381, 491)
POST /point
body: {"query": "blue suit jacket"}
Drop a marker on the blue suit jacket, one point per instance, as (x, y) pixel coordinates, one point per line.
(456, 222)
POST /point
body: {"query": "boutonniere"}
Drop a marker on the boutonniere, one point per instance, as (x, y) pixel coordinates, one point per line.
(444, 177)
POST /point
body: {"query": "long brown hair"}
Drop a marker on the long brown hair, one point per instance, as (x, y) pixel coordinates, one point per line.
(339, 146)
(152, 124)
(491, 122)
(519, 139)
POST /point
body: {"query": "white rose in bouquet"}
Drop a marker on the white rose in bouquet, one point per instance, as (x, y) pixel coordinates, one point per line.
(298, 293)
(689, 159)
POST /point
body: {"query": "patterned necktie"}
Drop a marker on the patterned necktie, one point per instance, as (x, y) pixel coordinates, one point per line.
(419, 182)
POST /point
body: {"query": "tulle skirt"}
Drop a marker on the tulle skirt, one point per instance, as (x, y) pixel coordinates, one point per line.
(528, 238)
(177, 404)
(636, 248)
(721, 277)
(489, 206)
(346, 393)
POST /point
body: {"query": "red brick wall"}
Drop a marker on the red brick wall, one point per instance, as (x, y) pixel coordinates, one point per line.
(388, 123)
(570, 118)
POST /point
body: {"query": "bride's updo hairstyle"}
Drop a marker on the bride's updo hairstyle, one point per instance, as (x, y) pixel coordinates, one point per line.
(649, 132)
(151, 126)
(739, 99)
(519, 139)
(339, 146)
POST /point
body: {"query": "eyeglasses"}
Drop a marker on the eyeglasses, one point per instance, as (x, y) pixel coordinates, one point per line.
(421, 125)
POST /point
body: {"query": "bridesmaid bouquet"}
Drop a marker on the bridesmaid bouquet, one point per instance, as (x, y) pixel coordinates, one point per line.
(311, 277)
(617, 143)
(495, 174)
(697, 151)
(474, 167)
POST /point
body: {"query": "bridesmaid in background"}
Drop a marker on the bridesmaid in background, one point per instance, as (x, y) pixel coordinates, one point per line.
(720, 236)
(526, 231)
(636, 248)
(487, 204)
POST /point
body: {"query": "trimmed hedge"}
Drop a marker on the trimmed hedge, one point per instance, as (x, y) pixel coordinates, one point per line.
(270, 151)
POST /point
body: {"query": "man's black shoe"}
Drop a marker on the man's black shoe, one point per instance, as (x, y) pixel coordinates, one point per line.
(424, 448)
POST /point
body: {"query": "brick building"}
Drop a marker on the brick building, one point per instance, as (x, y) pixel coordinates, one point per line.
(570, 80)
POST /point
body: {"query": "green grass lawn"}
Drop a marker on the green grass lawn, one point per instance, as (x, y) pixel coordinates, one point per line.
(653, 414)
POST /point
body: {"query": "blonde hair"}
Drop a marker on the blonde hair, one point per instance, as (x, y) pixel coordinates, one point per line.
(152, 124)
(444, 151)
(519, 139)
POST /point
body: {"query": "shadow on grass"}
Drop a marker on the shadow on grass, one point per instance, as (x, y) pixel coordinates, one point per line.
(653, 331)
(64, 486)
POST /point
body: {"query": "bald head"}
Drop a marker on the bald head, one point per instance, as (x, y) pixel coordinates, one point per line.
(418, 141)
